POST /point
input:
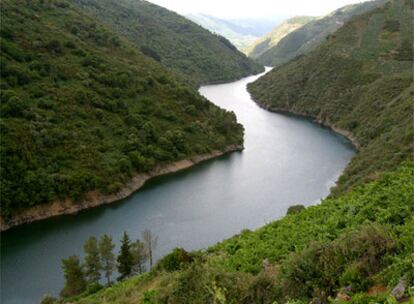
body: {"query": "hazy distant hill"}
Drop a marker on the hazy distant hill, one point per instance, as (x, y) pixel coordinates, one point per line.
(307, 37)
(272, 38)
(241, 33)
(175, 41)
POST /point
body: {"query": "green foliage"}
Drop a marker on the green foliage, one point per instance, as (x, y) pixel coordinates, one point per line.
(48, 299)
(180, 44)
(174, 260)
(106, 247)
(360, 82)
(352, 257)
(387, 202)
(93, 288)
(125, 258)
(140, 257)
(360, 239)
(75, 282)
(83, 110)
(295, 209)
(149, 297)
(93, 264)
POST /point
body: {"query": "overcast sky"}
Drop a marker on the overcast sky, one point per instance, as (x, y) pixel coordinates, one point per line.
(241, 9)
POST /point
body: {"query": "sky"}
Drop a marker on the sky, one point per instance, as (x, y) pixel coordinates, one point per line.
(254, 9)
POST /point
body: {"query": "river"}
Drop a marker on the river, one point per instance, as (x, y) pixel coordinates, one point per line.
(287, 160)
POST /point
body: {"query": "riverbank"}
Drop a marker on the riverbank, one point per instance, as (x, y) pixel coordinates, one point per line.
(95, 198)
(347, 134)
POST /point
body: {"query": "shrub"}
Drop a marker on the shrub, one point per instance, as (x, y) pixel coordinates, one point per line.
(295, 209)
(353, 256)
(54, 46)
(14, 107)
(392, 25)
(175, 260)
(146, 50)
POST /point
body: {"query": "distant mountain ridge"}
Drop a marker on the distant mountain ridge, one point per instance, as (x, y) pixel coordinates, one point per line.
(272, 38)
(241, 33)
(178, 43)
(309, 36)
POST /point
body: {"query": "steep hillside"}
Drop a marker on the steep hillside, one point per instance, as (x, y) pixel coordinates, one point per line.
(271, 39)
(309, 36)
(355, 248)
(360, 81)
(82, 110)
(178, 43)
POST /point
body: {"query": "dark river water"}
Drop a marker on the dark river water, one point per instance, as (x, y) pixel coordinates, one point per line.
(286, 161)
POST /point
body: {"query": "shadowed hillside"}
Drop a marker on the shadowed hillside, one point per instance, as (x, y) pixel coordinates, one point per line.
(178, 43)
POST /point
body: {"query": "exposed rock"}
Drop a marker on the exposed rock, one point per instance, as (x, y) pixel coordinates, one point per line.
(342, 296)
(265, 264)
(399, 289)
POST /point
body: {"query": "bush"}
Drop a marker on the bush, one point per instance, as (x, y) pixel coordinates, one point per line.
(14, 107)
(353, 277)
(392, 25)
(146, 50)
(175, 260)
(295, 209)
(54, 46)
(353, 256)
(93, 288)
(48, 299)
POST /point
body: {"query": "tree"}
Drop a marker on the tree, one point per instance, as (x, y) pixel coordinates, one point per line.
(92, 260)
(295, 209)
(139, 255)
(125, 259)
(75, 282)
(150, 243)
(106, 247)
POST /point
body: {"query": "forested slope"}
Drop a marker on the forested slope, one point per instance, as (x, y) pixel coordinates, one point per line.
(178, 43)
(361, 81)
(81, 109)
(308, 37)
(356, 246)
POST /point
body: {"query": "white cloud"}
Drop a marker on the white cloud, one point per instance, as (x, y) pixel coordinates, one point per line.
(233, 9)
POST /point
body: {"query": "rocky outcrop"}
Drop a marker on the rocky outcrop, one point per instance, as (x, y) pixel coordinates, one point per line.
(399, 289)
(96, 198)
